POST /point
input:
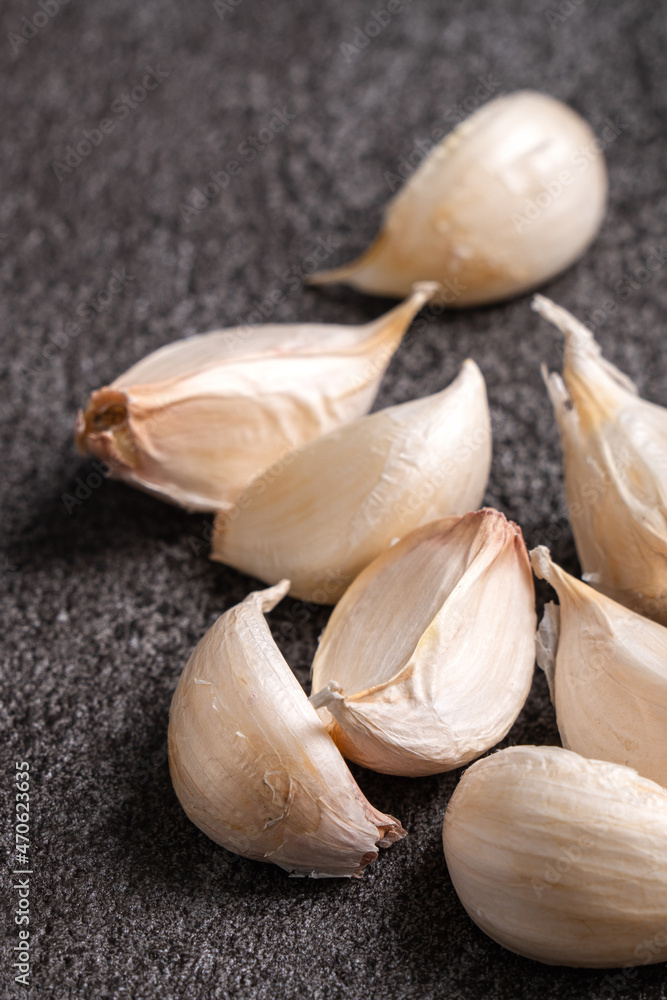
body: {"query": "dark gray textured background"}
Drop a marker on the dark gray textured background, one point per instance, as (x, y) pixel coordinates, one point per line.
(103, 605)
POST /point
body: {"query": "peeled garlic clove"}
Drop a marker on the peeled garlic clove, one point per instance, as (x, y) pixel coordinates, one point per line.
(197, 420)
(607, 672)
(428, 658)
(513, 196)
(332, 507)
(561, 859)
(253, 766)
(615, 459)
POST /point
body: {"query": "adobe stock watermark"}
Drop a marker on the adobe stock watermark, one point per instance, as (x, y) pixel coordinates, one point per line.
(293, 278)
(590, 493)
(224, 7)
(625, 287)
(376, 23)
(120, 108)
(248, 151)
(562, 13)
(83, 488)
(7, 567)
(650, 950)
(572, 855)
(408, 163)
(418, 496)
(31, 26)
(87, 310)
(580, 160)
(22, 953)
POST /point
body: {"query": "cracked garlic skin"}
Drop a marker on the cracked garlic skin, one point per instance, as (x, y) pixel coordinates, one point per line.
(615, 462)
(561, 859)
(253, 766)
(607, 673)
(197, 420)
(343, 499)
(428, 658)
(509, 199)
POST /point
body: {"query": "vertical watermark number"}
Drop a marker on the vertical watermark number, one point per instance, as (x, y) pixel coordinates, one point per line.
(21, 874)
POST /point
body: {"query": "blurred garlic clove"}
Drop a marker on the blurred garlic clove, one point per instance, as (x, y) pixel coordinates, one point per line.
(561, 859)
(428, 658)
(333, 506)
(615, 460)
(607, 672)
(513, 196)
(253, 766)
(197, 420)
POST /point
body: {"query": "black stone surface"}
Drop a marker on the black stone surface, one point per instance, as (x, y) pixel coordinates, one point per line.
(103, 604)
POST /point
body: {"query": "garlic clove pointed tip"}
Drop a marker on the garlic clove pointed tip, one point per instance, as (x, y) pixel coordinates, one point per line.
(540, 560)
(577, 336)
(426, 288)
(324, 697)
(267, 599)
(583, 354)
(394, 323)
(332, 276)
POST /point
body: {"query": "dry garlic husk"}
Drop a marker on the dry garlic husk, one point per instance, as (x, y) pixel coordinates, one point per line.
(252, 764)
(607, 673)
(513, 196)
(197, 420)
(615, 459)
(332, 507)
(560, 858)
(428, 657)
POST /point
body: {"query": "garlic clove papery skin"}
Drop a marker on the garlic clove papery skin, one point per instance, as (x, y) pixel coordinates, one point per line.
(607, 673)
(253, 766)
(428, 657)
(510, 198)
(561, 859)
(197, 420)
(333, 506)
(615, 464)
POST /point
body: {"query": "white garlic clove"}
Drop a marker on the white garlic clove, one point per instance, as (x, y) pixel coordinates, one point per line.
(253, 766)
(428, 658)
(513, 196)
(615, 460)
(561, 859)
(197, 420)
(607, 672)
(328, 510)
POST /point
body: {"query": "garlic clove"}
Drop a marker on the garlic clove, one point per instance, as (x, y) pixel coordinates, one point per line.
(607, 672)
(253, 766)
(428, 657)
(511, 197)
(329, 509)
(561, 859)
(197, 420)
(615, 461)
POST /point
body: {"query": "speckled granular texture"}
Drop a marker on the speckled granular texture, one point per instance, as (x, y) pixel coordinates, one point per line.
(103, 604)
